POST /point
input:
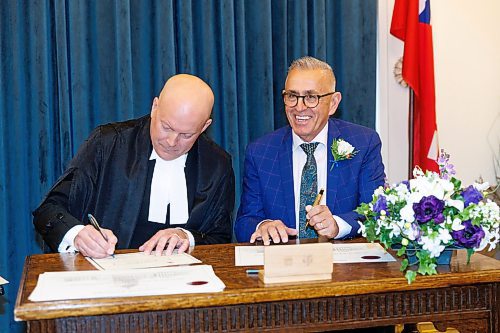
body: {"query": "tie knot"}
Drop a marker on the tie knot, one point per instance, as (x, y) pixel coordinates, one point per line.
(309, 148)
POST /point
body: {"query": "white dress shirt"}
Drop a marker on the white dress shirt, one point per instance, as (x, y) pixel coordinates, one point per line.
(299, 159)
(168, 186)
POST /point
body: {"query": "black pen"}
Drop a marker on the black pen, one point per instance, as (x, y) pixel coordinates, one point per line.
(94, 223)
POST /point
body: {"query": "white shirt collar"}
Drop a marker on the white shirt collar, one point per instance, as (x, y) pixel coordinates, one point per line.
(181, 160)
(322, 138)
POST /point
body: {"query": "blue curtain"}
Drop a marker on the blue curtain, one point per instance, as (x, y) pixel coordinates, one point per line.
(67, 66)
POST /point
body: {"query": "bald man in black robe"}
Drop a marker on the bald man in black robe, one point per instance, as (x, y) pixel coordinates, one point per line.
(115, 170)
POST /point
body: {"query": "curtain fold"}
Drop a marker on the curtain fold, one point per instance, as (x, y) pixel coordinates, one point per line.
(68, 66)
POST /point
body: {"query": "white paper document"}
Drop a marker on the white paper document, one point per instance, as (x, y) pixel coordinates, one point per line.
(138, 260)
(53, 286)
(3, 281)
(342, 253)
(360, 252)
(249, 255)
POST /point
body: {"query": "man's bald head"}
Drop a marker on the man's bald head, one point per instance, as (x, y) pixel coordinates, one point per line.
(190, 94)
(180, 115)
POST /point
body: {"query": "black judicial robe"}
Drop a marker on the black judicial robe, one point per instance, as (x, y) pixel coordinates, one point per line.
(109, 176)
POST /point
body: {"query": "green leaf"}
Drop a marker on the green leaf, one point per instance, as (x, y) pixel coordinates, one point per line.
(470, 252)
(427, 267)
(410, 276)
(401, 251)
(456, 183)
(404, 265)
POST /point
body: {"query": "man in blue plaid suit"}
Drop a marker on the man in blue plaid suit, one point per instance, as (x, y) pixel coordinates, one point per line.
(278, 166)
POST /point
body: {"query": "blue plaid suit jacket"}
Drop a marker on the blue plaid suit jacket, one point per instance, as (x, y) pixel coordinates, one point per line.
(268, 191)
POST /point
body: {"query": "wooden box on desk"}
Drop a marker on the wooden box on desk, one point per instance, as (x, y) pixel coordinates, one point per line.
(295, 263)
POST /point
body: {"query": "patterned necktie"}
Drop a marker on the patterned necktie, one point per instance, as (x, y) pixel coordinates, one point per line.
(308, 189)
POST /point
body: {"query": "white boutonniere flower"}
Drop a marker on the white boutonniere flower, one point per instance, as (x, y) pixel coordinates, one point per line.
(342, 150)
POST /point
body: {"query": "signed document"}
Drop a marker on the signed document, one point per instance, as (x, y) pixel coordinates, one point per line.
(360, 252)
(342, 253)
(53, 286)
(138, 260)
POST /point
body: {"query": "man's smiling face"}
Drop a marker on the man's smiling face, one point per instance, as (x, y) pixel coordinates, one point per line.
(308, 122)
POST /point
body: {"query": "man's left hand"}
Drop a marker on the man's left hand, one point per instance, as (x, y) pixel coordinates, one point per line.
(168, 239)
(321, 219)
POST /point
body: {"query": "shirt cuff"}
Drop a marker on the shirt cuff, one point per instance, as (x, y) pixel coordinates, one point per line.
(258, 225)
(190, 237)
(344, 227)
(67, 244)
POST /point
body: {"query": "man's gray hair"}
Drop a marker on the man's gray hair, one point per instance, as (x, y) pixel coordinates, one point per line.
(311, 63)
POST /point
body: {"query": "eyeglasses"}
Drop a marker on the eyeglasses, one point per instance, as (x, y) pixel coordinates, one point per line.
(310, 101)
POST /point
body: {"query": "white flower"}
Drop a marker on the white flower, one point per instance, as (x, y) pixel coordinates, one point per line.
(417, 172)
(342, 150)
(392, 198)
(458, 204)
(401, 190)
(344, 147)
(447, 187)
(379, 191)
(457, 224)
(410, 230)
(433, 245)
(414, 197)
(395, 230)
(424, 185)
(407, 213)
(490, 238)
(481, 186)
(362, 229)
(444, 235)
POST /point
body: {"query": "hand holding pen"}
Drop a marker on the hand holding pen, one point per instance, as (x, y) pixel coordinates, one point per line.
(321, 218)
(316, 202)
(94, 241)
(94, 223)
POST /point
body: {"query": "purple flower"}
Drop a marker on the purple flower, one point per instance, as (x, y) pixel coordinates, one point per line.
(429, 208)
(380, 205)
(446, 169)
(470, 236)
(417, 232)
(471, 195)
(406, 183)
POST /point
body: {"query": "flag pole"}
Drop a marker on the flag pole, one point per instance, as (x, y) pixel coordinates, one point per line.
(410, 134)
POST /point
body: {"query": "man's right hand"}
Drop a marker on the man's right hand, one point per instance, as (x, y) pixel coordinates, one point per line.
(90, 243)
(273, 229)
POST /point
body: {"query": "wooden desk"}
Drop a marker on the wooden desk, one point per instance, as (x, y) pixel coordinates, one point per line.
(359, 295)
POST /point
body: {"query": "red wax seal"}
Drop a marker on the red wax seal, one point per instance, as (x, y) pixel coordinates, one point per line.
(197, 283)
(370, 257)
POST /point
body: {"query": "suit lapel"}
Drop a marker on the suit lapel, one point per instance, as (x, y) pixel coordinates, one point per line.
(138, 180)
(191, 172)
(332, 180)
(286, 172)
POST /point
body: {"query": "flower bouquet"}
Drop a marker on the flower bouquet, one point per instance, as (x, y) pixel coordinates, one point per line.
(430, 213)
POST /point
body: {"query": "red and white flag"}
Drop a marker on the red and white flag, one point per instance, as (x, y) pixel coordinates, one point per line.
(411, 24)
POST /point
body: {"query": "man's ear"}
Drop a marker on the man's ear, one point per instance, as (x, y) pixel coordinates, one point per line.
(334, 102)
(154, 106)
(207, 123)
